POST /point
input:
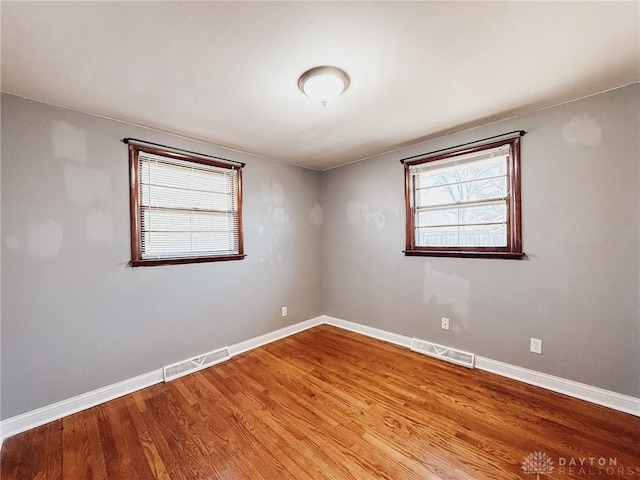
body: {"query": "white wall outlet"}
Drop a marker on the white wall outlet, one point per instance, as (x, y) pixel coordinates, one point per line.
(284, 311)
(536, 346)
(445, 323)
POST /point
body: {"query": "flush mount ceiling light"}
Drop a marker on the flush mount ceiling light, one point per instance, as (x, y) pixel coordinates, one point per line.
(324, 84)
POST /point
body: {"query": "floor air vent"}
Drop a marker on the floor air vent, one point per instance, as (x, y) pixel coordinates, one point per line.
(177, 370)
(452, 355)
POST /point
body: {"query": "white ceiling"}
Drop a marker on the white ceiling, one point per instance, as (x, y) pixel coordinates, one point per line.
(226, 72)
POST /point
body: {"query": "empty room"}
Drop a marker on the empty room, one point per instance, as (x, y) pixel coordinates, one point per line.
(320, 240)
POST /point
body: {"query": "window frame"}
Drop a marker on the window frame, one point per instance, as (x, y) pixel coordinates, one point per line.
(513, 248)
(135, 208)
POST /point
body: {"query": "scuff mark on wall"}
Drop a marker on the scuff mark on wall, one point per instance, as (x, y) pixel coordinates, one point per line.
(277, 193)
(392, 204)
(447, 290)
(280, 215)
(353, 213)
(45, 239)
(379, 219)
(374, 215)
(84, 185)
(272, 195)
(365, 211)
(315, 215)
(69, 142)
(582, 129)
(12, 242)
(265, 192)
(99, 227)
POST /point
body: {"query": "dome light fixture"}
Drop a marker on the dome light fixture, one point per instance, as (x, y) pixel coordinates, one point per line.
(324, 84)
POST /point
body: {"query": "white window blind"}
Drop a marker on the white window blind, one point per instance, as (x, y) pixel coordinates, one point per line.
(187, 209)
(462, 201)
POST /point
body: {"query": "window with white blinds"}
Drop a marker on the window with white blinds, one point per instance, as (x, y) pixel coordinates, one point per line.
(465, 202)
(184, 209)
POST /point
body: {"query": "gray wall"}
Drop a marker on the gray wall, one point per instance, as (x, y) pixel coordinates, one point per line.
(578, 289)
(75, 317)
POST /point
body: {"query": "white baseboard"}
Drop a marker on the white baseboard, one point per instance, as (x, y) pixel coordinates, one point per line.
(373, 332)
(49, 413)
(606, 398)
(35, 418)
(256, 342)
(614, 400)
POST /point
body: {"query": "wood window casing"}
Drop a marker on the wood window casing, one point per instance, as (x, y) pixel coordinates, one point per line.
(512, 248)
(137, 208)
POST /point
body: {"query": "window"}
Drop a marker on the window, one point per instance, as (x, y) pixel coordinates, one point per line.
(184, 208)
(465, 203)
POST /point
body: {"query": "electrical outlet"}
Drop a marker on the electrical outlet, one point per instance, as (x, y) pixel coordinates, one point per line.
(284, 311)
(445, 323)
(536, 346)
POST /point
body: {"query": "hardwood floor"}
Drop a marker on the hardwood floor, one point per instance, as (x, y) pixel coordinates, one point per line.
(330, 404)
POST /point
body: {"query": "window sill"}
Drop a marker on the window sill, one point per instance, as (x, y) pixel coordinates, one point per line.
(465, 254)
(180, 261)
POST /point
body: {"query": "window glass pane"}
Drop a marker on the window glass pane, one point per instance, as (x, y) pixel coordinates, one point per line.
(448, 171)
(485, 213)
(462, 236)
(466, 191)
(464, 203)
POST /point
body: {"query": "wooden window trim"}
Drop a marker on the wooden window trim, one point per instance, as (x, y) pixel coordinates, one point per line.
(134, 202)
(513, 249)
